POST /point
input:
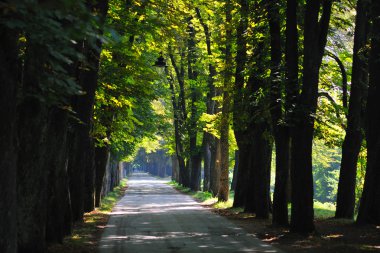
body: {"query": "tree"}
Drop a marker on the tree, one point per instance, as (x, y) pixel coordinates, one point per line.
(195, 154)
(223, 193)
(180, 115)
(9, 78)
(315, 36)
(239, 106)
(280, 130)
(81, 165)
(355, 119)
(369, 210)
(208, 139)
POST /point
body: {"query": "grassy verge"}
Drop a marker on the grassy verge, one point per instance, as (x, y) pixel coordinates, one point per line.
(86, 235)
(206, 198)
(321, 210)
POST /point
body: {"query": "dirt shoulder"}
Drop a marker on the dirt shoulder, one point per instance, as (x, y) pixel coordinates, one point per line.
(332, 235)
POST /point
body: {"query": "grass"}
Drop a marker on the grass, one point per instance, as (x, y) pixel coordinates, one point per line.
(321, 210)
(86, 234)
(205, 198)
(324, 210)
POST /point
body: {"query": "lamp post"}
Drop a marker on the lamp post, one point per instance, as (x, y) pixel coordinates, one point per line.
(162, 68)
(160, 64)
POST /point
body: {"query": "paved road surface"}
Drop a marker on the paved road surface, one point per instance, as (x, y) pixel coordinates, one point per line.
(154, 218)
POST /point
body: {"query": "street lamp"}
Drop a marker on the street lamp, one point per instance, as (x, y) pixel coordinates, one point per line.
(160, 63)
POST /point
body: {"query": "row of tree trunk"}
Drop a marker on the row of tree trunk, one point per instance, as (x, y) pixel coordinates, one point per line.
(284, 116)
(51, 170)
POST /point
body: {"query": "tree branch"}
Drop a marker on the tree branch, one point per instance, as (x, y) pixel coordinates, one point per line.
(344, 77)
(334, 104)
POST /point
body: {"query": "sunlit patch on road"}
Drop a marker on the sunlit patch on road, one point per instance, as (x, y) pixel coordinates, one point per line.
(153, 217)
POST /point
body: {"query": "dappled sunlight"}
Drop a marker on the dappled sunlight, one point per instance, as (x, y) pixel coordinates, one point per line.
(153, 217)
(186, 241)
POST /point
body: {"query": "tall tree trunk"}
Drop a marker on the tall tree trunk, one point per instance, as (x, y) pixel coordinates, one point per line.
(206, 153)
(250, 201)
(261, 165)
(344, 78)
(9, 73)
(291, 74)
(89, 178)
(281, 135)
(369, 210)
(280, 196)
(81, 165)
(31, 174)
(315, 34)
(179, 114)
(345, 204)
(101, 157)
(208, 139)
(224, 187)
(56, 164)
(215, 169)
(195, 168)
(239, 100)
(242, 175)
(257, 199)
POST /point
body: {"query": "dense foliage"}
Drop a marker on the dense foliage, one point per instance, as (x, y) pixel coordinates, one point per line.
(206, 90)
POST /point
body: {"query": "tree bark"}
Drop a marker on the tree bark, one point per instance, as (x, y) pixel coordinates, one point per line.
(345, 204)
(281, 135)
(250, 201)
(261, 165)
(260, 154)
(179, 114)
(206, 153)
(242, 175)
(280, 196)
(81, 166)
(369, 209)
(215, 169)
(101, 156)
(31, 174)
(315, 37)
(58, 200)
(344, 78)
(291, 74)
(224, 187)
(9, 73)
(239, 107)
(208, 139)
(195, 154)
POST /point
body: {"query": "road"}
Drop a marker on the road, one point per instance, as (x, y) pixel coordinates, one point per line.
(154, 218)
